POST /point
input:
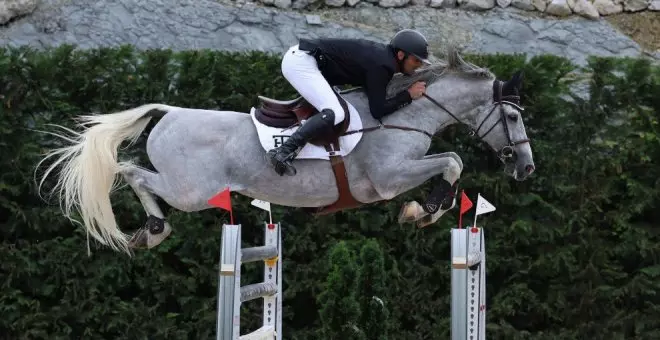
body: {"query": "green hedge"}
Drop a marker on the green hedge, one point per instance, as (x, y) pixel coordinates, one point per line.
(573, 252)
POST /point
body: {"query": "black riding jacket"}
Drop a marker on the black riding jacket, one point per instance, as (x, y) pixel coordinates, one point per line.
(359, 62)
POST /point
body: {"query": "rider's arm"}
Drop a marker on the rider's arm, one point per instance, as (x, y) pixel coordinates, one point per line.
(376, 85)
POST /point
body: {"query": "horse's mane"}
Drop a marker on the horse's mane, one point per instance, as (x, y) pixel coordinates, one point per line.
(430, 73)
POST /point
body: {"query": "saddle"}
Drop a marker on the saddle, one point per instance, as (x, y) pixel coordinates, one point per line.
(289, 113)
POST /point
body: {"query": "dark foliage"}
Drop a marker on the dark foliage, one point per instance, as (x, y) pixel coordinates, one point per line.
(573, 251)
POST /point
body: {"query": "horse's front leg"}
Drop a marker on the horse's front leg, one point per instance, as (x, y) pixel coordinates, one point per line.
(427, 219)
(412, 211)
(453, 155)
(405, 175)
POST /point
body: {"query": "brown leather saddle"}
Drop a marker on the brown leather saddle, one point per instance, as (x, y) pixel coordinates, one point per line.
(289, 113)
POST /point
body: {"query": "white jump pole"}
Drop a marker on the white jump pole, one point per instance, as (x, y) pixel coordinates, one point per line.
(231, 294)
(468, 284)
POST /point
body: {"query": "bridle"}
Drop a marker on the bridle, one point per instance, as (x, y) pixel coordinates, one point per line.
(504, 153)
(507, 150)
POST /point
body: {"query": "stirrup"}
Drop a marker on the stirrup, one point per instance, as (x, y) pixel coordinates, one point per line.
(285, 165)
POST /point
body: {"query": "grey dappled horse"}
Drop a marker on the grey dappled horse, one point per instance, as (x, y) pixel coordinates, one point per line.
(199, 152)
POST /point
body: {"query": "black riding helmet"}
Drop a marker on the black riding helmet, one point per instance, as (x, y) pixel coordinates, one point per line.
(412, 42)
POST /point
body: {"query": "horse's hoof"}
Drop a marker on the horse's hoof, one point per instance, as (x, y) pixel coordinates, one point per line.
(155, 231)
(410, 212)
(430, 219)
(404, 215)
(139, 239)
(427, 220)
(156, 239)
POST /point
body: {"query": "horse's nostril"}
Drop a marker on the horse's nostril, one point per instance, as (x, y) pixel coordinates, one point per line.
(529, 168)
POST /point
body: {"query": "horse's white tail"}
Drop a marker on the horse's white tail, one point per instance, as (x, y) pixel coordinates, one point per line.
(90, 168)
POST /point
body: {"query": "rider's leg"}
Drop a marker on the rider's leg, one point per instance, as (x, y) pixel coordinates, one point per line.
(302, 72)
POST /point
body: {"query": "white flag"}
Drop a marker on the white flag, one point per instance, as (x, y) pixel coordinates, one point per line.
(261, 204)
(483, 206)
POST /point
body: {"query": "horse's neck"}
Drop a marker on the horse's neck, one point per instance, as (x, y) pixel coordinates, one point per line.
(420, 114)
(428, 116)
(458, 96)
(452, 101)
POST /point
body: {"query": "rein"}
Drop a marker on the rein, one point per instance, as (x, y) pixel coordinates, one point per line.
(505, 152)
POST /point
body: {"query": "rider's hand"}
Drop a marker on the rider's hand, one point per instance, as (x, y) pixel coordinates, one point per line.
(417, 89)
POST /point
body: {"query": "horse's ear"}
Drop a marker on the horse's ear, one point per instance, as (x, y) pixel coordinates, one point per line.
(513, 85)
(516, 80)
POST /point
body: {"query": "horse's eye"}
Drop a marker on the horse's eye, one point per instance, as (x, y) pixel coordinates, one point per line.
(513, 117)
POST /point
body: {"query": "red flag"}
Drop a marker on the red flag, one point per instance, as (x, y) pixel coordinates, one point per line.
(223, 201)
(466, 204)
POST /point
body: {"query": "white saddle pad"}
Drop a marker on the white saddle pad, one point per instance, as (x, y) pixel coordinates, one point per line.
(271, 137)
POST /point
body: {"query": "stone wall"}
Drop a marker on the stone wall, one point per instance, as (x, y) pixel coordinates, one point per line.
(592, 9)
(10, 9)
(239, 26)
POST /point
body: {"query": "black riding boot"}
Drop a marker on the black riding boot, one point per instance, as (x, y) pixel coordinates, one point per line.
(282, 156)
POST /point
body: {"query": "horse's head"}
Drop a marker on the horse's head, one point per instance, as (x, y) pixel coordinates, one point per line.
(500, 124)
(460, 92)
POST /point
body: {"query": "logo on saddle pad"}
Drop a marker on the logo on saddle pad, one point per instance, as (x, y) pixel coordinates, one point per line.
(278, 140)
(275, 127)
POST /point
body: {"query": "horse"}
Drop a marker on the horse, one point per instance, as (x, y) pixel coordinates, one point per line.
(198, 152)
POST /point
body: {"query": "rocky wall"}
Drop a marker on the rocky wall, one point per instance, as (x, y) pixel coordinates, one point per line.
(592, 9)
(11, 9)
(239, 26)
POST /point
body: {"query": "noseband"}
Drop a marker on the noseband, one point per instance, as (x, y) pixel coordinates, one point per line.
(507, 150)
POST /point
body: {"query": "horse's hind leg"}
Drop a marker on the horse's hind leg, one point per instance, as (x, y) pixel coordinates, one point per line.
(156, 228)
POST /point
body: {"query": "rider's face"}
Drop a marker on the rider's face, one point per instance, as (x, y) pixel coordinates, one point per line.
(410, 64)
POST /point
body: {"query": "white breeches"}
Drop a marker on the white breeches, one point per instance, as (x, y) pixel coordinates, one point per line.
(302, 71)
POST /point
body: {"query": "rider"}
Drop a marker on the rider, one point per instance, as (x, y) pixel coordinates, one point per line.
(314, 65)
